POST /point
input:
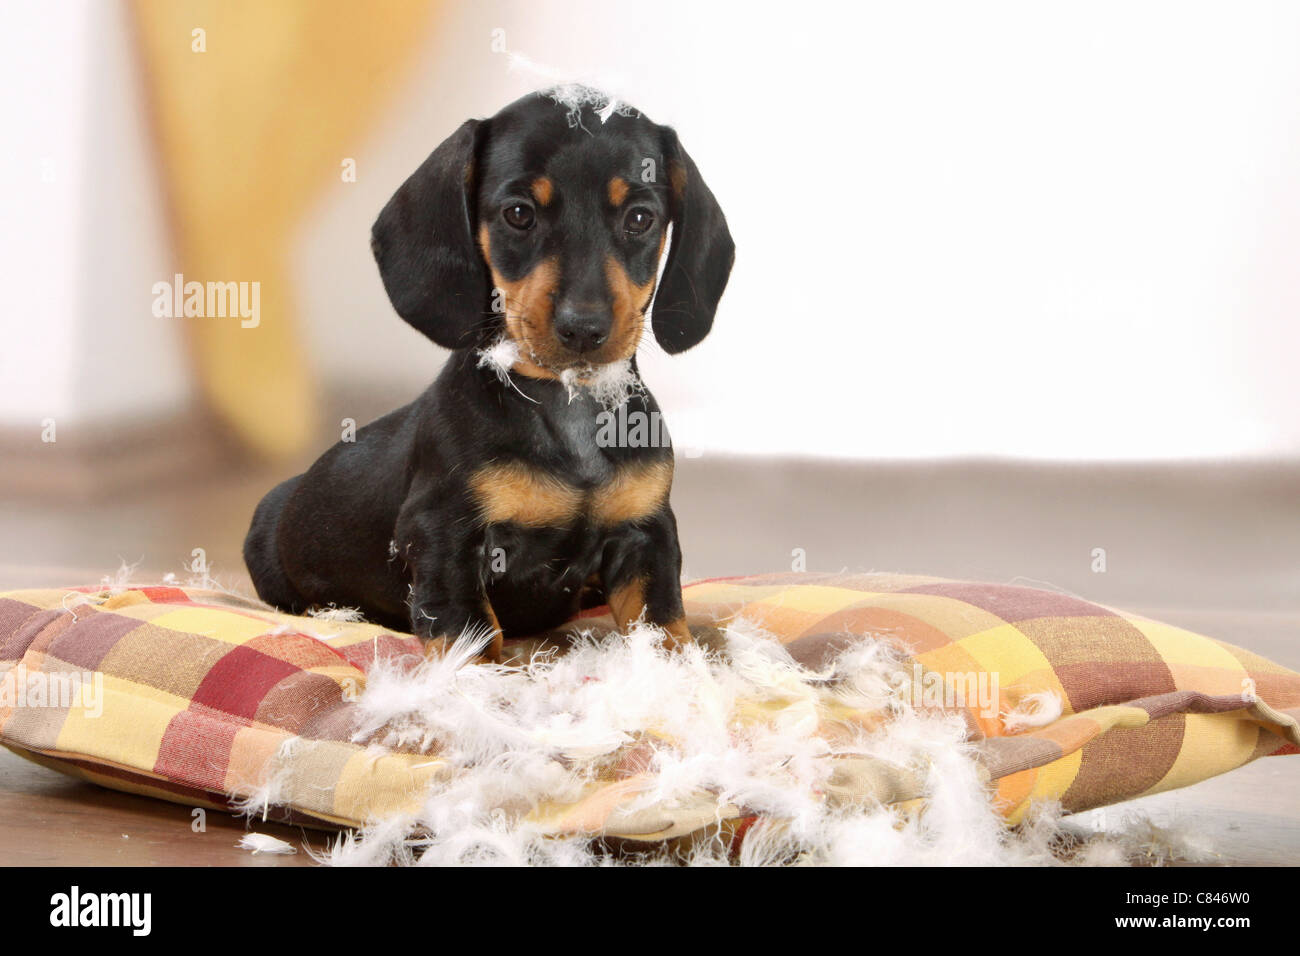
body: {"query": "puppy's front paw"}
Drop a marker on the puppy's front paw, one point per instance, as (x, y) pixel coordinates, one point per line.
(440, 647)
(442, 629)
(677, 635)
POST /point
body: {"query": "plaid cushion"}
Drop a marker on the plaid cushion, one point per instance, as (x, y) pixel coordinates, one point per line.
(197, 696)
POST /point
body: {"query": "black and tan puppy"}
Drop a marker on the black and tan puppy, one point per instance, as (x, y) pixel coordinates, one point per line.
(490, 503)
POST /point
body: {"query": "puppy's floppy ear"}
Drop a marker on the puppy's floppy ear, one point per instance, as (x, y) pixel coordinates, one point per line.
(699, 260)
(424, 243)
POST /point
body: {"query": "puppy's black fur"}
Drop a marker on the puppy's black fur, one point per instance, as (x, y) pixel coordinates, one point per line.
(489, 504)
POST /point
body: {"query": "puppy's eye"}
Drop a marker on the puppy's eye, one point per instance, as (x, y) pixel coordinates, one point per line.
(638, 221)
(519, 216)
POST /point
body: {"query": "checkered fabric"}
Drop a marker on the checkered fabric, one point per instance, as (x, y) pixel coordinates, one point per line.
(200, 696)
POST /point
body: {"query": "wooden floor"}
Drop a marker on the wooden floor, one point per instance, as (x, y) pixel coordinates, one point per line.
(1212, 548)
(48, 819)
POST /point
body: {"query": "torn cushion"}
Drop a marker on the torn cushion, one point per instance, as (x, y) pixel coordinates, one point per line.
(202, 698)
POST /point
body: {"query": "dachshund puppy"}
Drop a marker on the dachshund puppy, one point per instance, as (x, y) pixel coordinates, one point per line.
(502, 499)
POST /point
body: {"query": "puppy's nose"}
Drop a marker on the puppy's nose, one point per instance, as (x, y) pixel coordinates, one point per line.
(582, 330)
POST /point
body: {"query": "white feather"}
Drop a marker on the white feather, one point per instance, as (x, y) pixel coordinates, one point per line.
(1034, 710)
(263, 843)
(610, 385)
(342, 615)
(743, 727)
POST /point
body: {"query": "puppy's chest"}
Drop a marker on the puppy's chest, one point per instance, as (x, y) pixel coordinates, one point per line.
(521, 493)
(564, 477)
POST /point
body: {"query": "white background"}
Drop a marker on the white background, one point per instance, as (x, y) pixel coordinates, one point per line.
(1033, 229)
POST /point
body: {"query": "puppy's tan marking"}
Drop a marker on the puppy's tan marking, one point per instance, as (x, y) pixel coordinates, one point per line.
(493, 650)
(677, 178)
(634, 492)
(678, 634)
(617, 189)
(627, 604)
(515, 492)
(439, 646)
(630, 302)
(436, 647)
(528, 306)
(543, 190)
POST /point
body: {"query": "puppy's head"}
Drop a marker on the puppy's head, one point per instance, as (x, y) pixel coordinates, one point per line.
(551, 222)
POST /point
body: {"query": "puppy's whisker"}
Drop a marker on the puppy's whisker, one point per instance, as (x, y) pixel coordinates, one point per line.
(649, 341)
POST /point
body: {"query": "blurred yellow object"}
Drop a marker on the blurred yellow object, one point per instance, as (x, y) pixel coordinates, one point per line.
(255, 107)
